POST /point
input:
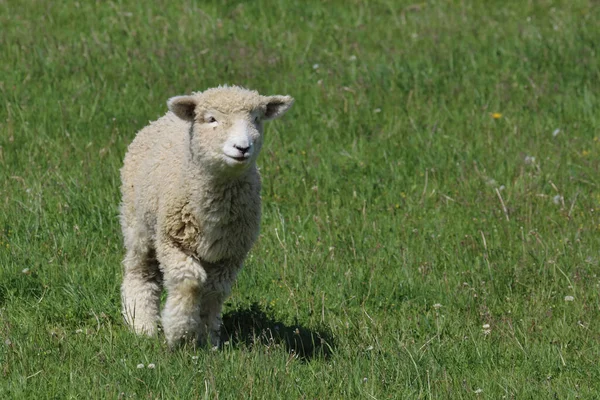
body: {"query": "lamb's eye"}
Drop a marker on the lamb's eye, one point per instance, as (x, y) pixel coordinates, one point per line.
(257, 119)
(210, 120)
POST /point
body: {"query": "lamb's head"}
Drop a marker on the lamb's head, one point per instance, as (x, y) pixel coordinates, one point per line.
(227, 125)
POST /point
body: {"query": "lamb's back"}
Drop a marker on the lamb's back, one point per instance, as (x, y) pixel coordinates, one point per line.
(152, 164)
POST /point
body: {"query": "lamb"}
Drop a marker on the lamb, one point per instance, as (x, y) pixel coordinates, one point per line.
(191, 209)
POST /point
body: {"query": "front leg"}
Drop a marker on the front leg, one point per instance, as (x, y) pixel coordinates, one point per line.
(218, 285)
(184, 278)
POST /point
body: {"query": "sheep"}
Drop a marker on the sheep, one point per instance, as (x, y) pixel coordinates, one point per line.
(191, 209)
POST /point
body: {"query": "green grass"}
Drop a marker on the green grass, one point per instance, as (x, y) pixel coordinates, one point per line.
(385, 247)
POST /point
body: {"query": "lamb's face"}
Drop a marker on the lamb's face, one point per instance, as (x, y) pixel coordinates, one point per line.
(227, 124)
(234, 139)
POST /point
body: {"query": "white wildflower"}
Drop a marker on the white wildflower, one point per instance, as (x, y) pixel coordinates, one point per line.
(557, 199)
(569, 298)
(140, 366)
(151, 366)
(352, 58)
(437, 306)
(556, 132)
(25, 271)
(478, 391)
(486, 329)
(377, 110)
(529, 160)
(315, 66)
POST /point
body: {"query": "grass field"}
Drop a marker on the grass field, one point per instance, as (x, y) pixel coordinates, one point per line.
(431, 204)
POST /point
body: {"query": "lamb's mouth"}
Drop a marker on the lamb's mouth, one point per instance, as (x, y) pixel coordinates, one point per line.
(240, 159)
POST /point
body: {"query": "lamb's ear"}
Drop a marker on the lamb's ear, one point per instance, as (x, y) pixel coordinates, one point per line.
(277, 106)
(183, 106)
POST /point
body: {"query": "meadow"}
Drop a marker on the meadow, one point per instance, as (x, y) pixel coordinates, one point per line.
(431, 203)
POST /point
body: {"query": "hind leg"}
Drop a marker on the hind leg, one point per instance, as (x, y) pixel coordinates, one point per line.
(210, 315)
(216, 291)
(142, 286)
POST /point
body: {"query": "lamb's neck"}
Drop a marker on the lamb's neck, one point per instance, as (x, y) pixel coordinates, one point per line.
(217, 185)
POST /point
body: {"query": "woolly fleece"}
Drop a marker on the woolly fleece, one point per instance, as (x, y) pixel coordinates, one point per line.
(191, 209)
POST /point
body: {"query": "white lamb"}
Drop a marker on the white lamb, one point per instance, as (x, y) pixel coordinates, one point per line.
(191, 209)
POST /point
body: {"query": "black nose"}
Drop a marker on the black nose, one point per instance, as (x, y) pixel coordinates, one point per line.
(244, 150)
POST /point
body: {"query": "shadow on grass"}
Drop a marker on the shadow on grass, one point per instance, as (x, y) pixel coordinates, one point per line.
(253, 325)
